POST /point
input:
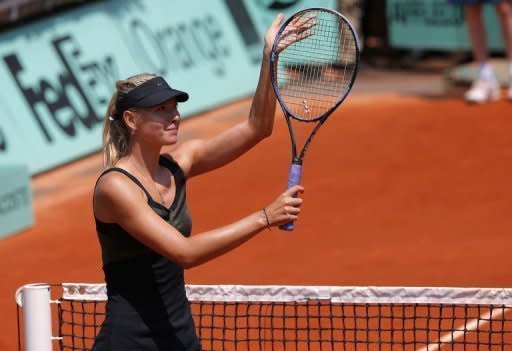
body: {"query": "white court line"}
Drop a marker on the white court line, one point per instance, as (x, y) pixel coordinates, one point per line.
(473, 325)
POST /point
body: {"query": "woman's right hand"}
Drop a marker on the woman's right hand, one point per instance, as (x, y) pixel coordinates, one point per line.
(286, 207)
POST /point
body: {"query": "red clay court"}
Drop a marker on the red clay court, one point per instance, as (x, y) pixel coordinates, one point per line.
(401, 190)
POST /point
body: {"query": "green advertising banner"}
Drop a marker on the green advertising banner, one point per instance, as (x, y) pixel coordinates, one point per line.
(15, 199)
(435, 24)
(59, 73)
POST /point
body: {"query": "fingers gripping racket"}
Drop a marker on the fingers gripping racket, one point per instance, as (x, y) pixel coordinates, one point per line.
(314, 63)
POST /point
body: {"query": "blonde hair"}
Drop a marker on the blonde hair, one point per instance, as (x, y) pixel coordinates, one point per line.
(116, 135)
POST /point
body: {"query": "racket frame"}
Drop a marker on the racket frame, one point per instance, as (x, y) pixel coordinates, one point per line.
(295, 172)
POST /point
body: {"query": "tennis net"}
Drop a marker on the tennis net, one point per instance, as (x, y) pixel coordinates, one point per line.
(232, 317)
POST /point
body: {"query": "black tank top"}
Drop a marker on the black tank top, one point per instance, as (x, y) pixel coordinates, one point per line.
(147, 308)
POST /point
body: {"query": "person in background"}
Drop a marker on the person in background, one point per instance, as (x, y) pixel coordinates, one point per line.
(486, 87)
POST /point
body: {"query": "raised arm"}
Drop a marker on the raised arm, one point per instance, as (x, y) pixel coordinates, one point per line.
(199, 156)
(119, 201)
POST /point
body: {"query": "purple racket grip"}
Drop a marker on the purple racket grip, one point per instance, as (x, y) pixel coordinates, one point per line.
(293, 179)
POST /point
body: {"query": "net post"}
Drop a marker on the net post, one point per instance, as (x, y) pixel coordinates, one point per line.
(35, 300)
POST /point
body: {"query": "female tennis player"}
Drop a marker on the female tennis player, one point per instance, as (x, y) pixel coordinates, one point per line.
(141, 214)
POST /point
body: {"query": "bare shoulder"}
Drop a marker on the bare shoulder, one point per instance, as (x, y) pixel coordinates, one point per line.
(184, 154)
(114, 194)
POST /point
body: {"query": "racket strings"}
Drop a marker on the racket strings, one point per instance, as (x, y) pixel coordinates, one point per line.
(315, 73)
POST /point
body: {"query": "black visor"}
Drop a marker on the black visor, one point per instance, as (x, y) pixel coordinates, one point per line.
(154, 92)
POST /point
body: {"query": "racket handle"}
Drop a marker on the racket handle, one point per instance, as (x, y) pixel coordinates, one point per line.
(293, 179)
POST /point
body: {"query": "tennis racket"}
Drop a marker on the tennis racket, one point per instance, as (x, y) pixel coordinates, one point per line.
(314, 61)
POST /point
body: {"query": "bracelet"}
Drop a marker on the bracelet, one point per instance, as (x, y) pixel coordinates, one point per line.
(266, 218)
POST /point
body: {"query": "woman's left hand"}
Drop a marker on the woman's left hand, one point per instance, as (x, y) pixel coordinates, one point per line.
(272, 33)
(295, 31)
